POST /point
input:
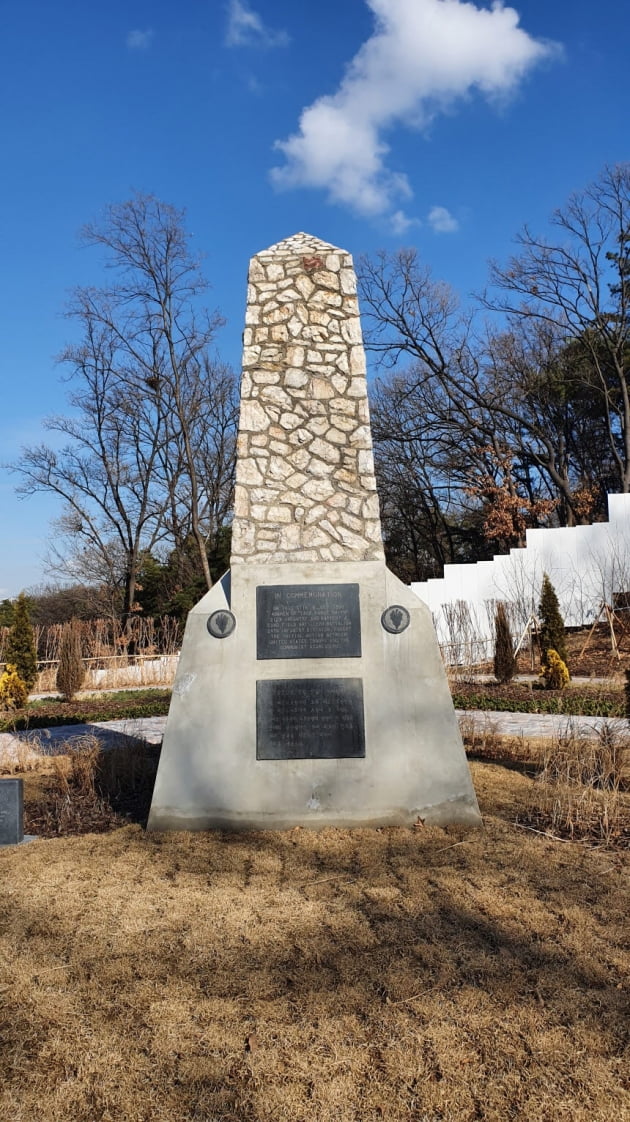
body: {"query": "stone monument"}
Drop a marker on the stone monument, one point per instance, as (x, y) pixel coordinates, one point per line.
(310, 689)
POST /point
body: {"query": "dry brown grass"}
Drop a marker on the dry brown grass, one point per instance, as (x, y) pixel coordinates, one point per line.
(481, 736)
(581, 789)
(119, 672)
(582, 783)
(24, 755)
(394, 975)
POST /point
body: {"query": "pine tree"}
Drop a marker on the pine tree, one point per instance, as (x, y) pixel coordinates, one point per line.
(20, 649)
(71, 671)
(504, 657)
(7, 613)
(552, 629)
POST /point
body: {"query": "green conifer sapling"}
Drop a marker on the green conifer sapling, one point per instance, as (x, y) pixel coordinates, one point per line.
(504, 657)
(71, 671)
(20, 650)
(552, 624)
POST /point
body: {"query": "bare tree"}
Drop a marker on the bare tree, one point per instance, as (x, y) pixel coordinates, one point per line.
(532, 417)
(409, 314)
(428, 516)
(149, 449)
(547, 420)
(168, 336)
(577, 286)
(202, 442)
(105, 470)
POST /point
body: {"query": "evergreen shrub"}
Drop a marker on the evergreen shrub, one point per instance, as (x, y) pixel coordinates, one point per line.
(504, 657)
(552, 635)
(71, 671)
(20, 649)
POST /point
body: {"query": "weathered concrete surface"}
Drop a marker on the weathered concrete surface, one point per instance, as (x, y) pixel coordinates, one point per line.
(414, 766)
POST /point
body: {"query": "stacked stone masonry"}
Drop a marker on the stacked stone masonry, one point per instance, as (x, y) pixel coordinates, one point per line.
(305, 485)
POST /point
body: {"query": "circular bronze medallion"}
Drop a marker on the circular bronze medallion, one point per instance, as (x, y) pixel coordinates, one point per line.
(221, 624)
(395, 619)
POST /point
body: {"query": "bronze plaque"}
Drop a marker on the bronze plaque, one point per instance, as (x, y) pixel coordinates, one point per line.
(310, 719)
(308, 621)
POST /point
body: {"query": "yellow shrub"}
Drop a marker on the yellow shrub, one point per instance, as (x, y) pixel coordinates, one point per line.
(13, 691)
(555, 673)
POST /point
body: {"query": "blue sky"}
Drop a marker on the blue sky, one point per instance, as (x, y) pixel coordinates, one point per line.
(370, 123)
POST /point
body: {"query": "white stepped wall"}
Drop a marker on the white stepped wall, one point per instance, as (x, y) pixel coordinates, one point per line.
(586, 564)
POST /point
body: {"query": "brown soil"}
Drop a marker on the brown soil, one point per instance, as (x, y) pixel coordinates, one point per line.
(598, 660)
(419, 975)
(88, 789)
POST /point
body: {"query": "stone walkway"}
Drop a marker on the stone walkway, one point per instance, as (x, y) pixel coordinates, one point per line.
(47, 742)
(151, 729)
(537, 725)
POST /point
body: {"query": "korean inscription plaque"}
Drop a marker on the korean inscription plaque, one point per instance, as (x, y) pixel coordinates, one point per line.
(310, 719)
(308, 621)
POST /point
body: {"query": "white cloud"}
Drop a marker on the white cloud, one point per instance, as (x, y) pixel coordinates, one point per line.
(139, 40)
(442, 221)
(245, 28)
(421, 58)
(400, 222)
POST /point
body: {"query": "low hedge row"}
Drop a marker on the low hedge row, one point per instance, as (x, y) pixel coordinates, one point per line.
(567, 704)
(44, 717)
(56, 714)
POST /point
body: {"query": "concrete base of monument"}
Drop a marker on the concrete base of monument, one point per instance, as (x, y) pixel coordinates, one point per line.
(311, 695)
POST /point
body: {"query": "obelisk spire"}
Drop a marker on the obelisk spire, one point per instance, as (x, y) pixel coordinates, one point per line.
(305, 486)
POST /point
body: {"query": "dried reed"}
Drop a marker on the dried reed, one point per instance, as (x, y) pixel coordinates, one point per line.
(143, 655)
(581, 789)
(95, 788)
